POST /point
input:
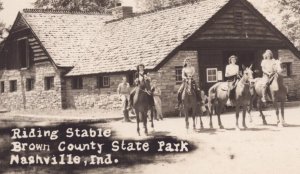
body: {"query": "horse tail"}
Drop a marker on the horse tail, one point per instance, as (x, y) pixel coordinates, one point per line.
(212, 91)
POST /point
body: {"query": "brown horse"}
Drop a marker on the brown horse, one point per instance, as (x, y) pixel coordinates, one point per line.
(277, 92)
(141, 104)
(219, 93)
(189, 101)
(243, 95)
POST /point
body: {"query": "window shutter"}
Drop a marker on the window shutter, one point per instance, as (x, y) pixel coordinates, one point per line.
(100, 82)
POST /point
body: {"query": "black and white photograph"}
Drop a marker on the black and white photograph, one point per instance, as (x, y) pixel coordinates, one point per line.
(149, 86)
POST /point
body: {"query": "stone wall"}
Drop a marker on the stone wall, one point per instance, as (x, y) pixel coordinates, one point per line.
(167, 80)
(91, 96)
(106, 98)
(38, 98)
(292, 82)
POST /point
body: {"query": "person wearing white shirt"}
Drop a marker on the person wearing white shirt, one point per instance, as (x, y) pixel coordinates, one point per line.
(124, 92)
(268, 65)
(232, 75)
(188, 71)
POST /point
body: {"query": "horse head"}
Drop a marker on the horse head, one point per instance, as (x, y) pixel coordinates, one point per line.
(145, 86)
(247, 75)
(277, 67)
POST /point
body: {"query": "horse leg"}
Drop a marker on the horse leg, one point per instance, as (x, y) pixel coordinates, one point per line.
(261, 113)
(194, 116)
(250, 109)
(186, 114)
(282, 113)
(244, 116)
(275, 105)
(144, 114)
(152, 116)
(201, 123)
(138, 121)
(220, 109)
(210, 108)
(237, 112)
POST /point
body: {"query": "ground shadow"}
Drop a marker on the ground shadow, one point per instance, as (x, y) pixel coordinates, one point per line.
(204, 130)
(126, 158)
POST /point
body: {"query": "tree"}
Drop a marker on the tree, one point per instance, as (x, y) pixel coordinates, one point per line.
(149, 5)
(2, 25)
(293, 5)
(75, 5)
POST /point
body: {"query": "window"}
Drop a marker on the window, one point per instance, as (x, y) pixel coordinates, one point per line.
(23, 53)
(29, 84)
(2, 86)
(77, 83)
(178, 74)
(103, 81)
(287, 69)
(211, 75)
(13, 85)
(106, 81)
(49, 83)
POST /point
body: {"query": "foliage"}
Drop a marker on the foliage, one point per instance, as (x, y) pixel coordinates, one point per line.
(75, 5)
(149, 5)
(290, 15)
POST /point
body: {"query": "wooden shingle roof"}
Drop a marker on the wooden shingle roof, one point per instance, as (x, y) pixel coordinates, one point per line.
(95, 43)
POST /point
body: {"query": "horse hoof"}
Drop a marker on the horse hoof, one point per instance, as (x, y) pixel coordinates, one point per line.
(283, 123)
(211, 126)
(265, 123)
(187, 131)
(221, 127)
(245, 127)
(237, 128)
(280, 125)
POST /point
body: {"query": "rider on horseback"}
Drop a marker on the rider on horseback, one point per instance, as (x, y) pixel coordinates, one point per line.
(140, 75)
(268, 65)
(232, 75)
(188, 72)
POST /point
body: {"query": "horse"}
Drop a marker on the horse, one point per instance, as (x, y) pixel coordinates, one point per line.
(277, 91)
(189, 102)
(141, 104)
(243, 94)
(218, 96)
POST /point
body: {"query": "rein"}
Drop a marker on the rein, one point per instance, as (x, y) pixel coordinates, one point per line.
(146, 91)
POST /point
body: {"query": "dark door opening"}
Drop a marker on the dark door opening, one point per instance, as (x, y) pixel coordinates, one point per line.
(245, 58)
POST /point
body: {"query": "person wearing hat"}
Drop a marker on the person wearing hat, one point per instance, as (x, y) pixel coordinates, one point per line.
(140, 75)
(187, 71)
(232, 75)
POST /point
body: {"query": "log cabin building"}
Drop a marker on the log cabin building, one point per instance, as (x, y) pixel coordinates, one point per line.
(60, 59)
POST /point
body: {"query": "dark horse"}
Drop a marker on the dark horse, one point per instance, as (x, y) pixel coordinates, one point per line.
(189, 101)
(277, 92)
(141, 103)
(219, 94)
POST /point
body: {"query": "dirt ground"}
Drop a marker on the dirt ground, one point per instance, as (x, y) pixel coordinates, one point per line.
(258, 149)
